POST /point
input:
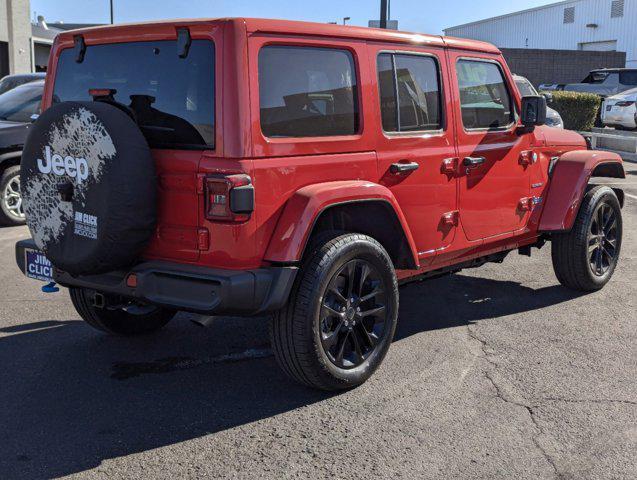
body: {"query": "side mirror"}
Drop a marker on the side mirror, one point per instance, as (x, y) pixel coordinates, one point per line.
(548, 96)
(533, 111)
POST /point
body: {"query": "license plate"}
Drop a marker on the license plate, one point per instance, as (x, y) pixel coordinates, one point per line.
(37, 266)
(609, 108)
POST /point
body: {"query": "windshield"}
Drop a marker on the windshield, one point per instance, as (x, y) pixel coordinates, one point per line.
(172, 97)
(525, 87)
(19, 104)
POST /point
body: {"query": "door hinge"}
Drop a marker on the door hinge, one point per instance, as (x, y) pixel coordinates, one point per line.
(201, 180)
(203, 239)
(527, 157)
(451, 218)
(450, 166)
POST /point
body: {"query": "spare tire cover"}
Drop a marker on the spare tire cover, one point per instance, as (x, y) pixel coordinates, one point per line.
(89, 187)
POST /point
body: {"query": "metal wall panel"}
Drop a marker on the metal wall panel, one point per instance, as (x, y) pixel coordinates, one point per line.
(544, 28)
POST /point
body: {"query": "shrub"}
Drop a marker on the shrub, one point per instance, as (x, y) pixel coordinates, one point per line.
(578, 110)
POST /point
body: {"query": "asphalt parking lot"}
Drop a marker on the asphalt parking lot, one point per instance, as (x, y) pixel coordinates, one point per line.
(497, 372)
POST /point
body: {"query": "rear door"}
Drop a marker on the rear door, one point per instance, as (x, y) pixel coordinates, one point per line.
(493, 181)
(416, 133)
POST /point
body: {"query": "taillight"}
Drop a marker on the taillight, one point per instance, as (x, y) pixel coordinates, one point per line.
(229, 198)
(624, 103)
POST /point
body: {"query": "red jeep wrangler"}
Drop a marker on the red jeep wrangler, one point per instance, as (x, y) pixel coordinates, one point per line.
(244, 167)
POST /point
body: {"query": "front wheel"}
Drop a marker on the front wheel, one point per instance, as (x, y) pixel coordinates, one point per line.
(126, 319)
(342, 314)
(585, 258)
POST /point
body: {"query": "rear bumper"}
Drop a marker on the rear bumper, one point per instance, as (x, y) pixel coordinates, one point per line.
(188, 287)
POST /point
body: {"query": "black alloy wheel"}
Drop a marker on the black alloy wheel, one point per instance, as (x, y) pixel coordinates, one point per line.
(341, 317)
(602, 240)
(353, 314)
(585, 257)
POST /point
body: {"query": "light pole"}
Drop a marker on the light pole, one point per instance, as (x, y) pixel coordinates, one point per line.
(383, 13)
(345, 19)
(111, 12)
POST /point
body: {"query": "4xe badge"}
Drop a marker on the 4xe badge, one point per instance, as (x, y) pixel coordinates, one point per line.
(85, 225)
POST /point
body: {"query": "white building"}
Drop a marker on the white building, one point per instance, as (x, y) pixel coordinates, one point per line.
(601, 25)
(15, 37)
(25, 46)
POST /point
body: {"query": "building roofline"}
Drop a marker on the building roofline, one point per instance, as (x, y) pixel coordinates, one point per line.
(512, 14)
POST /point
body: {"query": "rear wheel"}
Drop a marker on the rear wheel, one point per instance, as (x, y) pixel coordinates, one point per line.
(342, 314)
(585, 258)
(124, 319)
(11, 209)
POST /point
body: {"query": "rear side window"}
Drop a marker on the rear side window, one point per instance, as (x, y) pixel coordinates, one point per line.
(484, 97)
(409, 92)
(172, 97)
(307, 92)
(628, 77)
(18, 104)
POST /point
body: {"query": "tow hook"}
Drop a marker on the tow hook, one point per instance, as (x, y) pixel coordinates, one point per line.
(99, 301)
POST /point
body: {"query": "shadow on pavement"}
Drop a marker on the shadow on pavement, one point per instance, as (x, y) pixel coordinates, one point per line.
(66, 406)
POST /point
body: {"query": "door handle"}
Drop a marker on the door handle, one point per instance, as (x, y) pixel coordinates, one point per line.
(473, 162)
(398, 168)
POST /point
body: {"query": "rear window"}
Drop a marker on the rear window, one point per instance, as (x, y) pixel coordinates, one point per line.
(628, 77)
(307, 92)
(525, 87)
(171, 97)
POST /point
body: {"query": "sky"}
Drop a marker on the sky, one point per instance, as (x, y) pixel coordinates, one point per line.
(423, 16)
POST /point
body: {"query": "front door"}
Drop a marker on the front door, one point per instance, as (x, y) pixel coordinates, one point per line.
(494, 180)
(416, 137)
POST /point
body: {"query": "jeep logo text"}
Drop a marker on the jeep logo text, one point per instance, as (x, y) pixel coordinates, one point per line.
(71, 166)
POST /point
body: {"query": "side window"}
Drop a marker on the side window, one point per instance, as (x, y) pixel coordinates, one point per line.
(409, 92)
(612, 79)
(307, 92)
(484, 97)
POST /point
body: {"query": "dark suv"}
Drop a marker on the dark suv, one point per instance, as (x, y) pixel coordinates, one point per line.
(18, 108)
(603, 82)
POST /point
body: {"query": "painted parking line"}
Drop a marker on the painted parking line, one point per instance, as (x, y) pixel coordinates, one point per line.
(634, 197)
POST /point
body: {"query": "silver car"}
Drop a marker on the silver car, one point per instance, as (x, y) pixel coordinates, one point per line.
(553, 118)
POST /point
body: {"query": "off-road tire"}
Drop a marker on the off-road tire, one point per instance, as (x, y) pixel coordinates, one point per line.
(117, 322)
(295, 329)
(569, 250)
(6, 218)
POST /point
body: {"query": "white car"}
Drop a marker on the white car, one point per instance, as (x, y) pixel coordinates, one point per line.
(620, 110)
(553, 118)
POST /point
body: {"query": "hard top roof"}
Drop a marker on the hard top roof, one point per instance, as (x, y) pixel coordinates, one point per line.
(289, 27)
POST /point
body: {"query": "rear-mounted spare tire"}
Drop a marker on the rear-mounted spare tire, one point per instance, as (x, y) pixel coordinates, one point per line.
(89, 187)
